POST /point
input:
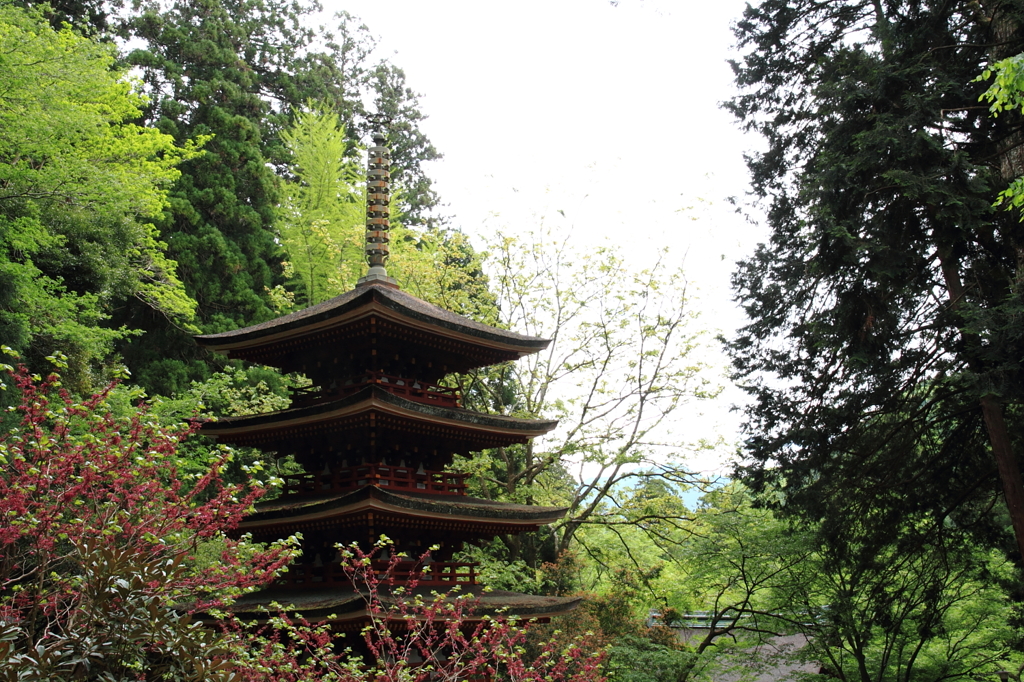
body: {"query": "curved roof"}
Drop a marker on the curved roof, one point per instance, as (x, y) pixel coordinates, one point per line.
(466, 429)
(347, 605)
(453, 506)
(272, 342)
(385, 511)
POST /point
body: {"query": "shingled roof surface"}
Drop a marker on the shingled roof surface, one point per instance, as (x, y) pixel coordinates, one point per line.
(391, 298)
(347, 603)
(454, 505)
(377, 393)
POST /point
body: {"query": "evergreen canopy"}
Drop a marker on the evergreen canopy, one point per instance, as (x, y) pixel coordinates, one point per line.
(884, 341)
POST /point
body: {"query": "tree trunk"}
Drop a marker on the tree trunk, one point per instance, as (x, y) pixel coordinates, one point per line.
(1011, 166)
(992, 411)
(1006, 461)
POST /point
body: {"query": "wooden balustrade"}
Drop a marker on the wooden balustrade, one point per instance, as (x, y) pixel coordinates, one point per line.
(436, 574)
(411, 389)
(403, 479)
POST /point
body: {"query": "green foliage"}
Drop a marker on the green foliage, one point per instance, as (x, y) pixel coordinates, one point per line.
(884, 309)
(206, 67)
(620, 609)
(635, 659)
(149, 636)
(234, 391)
(498, 574)
(931, 612)
(926, 603)
(1006, 94)
(1007, 90)
(730, 561)
(624, 358)
(323, 209)
(724, 567)
(78, 181)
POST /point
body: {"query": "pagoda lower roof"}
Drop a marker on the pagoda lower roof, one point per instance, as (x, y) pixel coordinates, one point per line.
(468, 343)
(378, 507)
(346, 605)
(375, 409)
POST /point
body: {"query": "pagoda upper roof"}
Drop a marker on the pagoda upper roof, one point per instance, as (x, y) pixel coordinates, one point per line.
(452, 512)
(345, 605)
(375, 406)
(276, 342)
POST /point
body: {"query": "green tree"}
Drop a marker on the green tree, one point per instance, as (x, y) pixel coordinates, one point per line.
(399, 105)
(925, 603)
(324, 207)
(883, 352)
(716, 574)
(731, 564)
(208, 67)
(926, 606)
(621, 365)
(79, 184)
(236, 70)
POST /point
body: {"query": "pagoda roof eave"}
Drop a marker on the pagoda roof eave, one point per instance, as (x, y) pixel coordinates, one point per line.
(373, 398)
(299, 510)
(363, 300)
(347, 605)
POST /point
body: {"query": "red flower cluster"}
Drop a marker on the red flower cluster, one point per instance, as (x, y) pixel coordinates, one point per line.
(411, 637)
(99, 534)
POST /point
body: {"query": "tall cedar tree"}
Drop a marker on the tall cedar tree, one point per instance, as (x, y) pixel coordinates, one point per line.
(398, 104)
(236, 70)
(883, 352)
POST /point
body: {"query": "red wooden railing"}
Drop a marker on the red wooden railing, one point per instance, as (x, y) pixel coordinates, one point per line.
(411, 389)
(405, 479)
(437, 574)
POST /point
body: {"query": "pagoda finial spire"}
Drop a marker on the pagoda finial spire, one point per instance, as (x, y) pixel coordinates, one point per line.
(378, 196)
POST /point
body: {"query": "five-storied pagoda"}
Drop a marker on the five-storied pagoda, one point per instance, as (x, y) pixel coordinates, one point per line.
(374, 434)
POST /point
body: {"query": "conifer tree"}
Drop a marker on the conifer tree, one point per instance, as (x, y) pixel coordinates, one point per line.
(883, 349)
(208, 67)
(235, 70)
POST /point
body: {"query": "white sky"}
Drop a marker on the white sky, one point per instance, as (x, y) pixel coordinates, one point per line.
(607, 112)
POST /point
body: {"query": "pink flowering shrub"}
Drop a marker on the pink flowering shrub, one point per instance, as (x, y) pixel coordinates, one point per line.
(99, 576)
(98, 535)
(412, 637)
